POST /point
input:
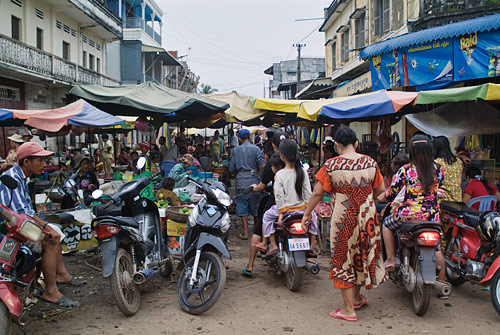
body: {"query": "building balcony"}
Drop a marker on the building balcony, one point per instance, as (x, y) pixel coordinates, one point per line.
(139, 23)
(438, 12)
(26, 59)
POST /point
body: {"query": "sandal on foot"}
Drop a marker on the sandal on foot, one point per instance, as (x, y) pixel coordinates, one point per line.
(242, 237)
(338, 315)
(74, 282)
(390, 268)
(259, 246)
(272, 252)
(62, 303)
(246, 273)
(364, 302)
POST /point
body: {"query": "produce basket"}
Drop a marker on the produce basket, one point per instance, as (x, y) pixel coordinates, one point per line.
(174, 215)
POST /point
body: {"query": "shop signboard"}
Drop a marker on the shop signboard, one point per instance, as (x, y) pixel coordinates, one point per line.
(414, 65)
(477, 55)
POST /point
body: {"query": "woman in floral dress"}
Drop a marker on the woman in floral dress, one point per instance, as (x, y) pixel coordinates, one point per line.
(453, 169)
(353, 180)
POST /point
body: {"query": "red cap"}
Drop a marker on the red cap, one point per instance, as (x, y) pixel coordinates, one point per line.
(145, 145)
(32, 149)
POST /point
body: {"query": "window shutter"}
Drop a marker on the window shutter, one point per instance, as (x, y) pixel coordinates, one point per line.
(376, 17)
(334, 56)
(387, 16)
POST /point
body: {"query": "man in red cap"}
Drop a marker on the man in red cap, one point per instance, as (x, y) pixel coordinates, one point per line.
(31, 161)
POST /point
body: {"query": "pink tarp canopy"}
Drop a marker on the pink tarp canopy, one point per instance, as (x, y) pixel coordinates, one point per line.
(79, 113)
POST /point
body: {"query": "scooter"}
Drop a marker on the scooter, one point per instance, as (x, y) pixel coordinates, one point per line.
(20, 265)
(472, 250)
(415, 269)
(293, 244)
(130, 239)
(203, 275)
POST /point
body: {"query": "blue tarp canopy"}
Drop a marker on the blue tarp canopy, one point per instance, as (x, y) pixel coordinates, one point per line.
(485, 23)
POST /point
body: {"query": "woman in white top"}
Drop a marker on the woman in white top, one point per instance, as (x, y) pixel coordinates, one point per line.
(292, 191)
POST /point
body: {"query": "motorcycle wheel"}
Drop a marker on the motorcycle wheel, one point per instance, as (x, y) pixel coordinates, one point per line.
(125, 291)
(495, 291)
(168, 269)
(452, 278)
(293, 277)
(421, 295)
(5, 322)
(208, 286)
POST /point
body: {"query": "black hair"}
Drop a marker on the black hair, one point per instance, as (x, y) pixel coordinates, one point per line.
(182, 151)
(421, 157)
(154, 155)
(474, 173)
(442, 150)
(400, 160)
(134, 153)
(276, 161)
(288, 149)
(168, 183)
(345, 136)
(313, 145)
(105, 136)
(277, 138)
(21, 161)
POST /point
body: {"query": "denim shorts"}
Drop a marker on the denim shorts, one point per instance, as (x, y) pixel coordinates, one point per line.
(247, 204)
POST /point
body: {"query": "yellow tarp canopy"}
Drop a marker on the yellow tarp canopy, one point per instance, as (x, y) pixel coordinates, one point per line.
(279, 105)
(240, 110)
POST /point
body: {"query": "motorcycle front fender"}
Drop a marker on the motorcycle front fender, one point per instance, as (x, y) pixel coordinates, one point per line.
(11, 299)
(492, 270)
(109, 249)
(427, 261)
(215, 242)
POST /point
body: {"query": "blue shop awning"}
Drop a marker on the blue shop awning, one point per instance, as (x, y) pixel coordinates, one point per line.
(455, 29)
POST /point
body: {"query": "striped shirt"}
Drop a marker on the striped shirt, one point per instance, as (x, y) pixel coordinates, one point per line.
(21, 200)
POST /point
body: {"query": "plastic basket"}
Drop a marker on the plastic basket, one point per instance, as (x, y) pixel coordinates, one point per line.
(205, 175)
(166, 166)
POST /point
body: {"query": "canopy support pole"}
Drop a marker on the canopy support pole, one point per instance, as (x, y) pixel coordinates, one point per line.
(4, 142)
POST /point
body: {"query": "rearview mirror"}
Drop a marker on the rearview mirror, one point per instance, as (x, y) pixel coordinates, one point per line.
(8, 181)
(97, 194)
(141, 162)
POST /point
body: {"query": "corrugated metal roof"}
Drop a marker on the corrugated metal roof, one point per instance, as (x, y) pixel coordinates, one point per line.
(455, 29)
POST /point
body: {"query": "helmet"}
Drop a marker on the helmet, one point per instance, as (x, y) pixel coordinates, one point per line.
(489, 226)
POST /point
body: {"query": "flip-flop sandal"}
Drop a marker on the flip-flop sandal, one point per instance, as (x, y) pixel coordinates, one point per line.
(242, 238)
(258, 246)
(364, 302)
(246, 273)
(74, 282)
(338, 315)
(390, 268)
(272, 252)
(62, 303)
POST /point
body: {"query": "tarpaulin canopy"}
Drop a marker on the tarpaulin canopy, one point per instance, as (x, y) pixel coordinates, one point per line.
(79, 113)
(279, 105)
(240, 110)
(150, 99)
(488, 92)
(5, 114)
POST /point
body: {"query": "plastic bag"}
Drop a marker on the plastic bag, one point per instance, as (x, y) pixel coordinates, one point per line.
(183, 197)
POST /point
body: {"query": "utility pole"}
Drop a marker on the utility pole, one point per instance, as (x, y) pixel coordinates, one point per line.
(298, 46)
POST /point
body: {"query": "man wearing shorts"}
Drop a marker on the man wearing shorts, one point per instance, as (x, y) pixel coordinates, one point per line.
(246, 160)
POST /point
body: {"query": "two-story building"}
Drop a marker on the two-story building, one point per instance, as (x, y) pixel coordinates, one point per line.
(46, 46)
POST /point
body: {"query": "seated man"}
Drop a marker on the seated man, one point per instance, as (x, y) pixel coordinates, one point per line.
(31, 161)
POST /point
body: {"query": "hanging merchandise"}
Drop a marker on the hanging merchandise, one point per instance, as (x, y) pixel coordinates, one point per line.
(143, 125)
(384, 134)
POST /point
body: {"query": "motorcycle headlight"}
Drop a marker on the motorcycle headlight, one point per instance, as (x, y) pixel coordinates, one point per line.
(222, 197)
(193, 216)
(225, 223)
(31, 231)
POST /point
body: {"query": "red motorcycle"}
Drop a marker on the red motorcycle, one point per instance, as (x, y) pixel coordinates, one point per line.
(19, 264)
(472, 250)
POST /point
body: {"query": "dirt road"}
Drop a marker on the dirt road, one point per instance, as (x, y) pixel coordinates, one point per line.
(263, 305)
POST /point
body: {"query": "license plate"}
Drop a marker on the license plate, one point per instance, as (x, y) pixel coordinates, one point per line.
(298, 244)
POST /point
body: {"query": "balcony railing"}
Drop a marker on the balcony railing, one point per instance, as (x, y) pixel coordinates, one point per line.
(137, 22)
(42, 63)
(450, 7)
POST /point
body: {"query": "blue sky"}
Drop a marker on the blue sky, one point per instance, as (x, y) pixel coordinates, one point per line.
(229, 43)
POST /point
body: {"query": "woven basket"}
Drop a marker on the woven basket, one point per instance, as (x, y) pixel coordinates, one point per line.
(174, 215)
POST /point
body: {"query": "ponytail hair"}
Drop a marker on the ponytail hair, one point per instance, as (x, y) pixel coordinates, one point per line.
(288, 149)
(474, 173)
(421, 155)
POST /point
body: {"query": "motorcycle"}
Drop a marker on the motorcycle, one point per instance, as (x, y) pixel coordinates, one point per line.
(203, 275)
(131, 244)
(415, 269)
(472, 250)
(20, 265)
(293, 243)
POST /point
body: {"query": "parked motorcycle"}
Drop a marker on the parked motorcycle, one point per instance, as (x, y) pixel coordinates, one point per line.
(130, 239)
(293, 244)
(203, 273)
(472, 250)
(415, 269)
(20, 265)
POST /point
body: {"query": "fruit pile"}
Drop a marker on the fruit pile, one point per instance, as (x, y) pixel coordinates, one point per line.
(161, 203)
(185, 210)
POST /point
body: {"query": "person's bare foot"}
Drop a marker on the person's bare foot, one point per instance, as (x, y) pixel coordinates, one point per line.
(63, 278)
(243, 237)
(51, 297)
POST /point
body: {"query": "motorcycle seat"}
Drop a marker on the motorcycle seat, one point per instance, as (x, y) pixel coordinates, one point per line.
(410, 226)
(471, 218)
(456, 208)
(65, 217)
(112, 210)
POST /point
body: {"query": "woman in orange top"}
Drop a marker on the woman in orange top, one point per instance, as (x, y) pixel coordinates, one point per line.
(353, 180)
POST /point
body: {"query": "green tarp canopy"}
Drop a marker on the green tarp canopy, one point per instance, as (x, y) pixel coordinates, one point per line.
(150, 99)
(487, 92)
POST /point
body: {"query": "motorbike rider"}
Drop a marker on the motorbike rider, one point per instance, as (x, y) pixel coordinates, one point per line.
(421, 177)
(84, 179)
(31, 161)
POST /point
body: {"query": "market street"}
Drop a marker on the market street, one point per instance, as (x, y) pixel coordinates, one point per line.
(263, 305)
